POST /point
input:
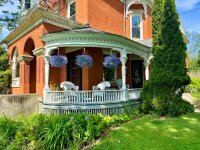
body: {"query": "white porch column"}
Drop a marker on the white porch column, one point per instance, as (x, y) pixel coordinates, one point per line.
(146, 65)
(147, 71)
(123, 59)
(46, 88)
(47, 66)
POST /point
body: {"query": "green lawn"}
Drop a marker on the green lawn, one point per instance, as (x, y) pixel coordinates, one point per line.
(153, 133)
(196, 95)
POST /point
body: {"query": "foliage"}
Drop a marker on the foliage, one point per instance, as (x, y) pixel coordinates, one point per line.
(8, 129)
(193, 51)
(154, 133)
(58, 60)
(111, 61)
(84, 61)
(163, 92)
(4, 71)
(9, 19)
(194, 86)
(67, 131)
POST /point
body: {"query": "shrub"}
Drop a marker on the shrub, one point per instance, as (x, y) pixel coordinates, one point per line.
(194, 86)
(69, 131)
(8, 130)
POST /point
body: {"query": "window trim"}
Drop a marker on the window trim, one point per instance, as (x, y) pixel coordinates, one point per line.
(68, 7)
(141, 26)
(15, 63)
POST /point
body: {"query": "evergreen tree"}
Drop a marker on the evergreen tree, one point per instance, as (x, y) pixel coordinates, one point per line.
(169, 73)
(147, 94)
(9, 19)
(4, 71)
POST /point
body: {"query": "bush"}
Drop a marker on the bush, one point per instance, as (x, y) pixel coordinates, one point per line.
(69, 131)
(194, 86)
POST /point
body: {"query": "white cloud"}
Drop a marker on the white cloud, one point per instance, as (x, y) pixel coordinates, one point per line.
(186, 5)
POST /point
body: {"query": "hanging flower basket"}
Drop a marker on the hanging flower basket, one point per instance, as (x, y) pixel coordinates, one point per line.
(84, 60)
(111, 61)
(58, 60)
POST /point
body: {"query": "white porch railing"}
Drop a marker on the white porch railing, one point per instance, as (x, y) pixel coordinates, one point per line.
(106, 102)
(76, 97)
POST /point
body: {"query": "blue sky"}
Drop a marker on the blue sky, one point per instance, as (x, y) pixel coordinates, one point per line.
(188, 9)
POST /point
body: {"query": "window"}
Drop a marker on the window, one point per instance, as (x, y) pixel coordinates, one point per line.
(16, 65)
(72, 10)
(27, 4)
(136, 27)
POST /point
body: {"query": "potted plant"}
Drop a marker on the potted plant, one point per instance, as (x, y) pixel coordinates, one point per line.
(84, 61)
(58, 60)
(111, 61)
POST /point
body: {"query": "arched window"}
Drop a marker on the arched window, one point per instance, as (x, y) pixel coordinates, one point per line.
(27, 4)
(15, 65)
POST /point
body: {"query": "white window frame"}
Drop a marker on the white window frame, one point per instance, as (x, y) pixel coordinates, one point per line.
(69, 3)
(141, 26)
(15, 63)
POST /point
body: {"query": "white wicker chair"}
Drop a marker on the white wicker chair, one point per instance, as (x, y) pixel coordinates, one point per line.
(69, 86)
(101, 86)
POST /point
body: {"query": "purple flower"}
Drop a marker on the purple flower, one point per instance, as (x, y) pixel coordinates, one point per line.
(84, 60)
(58, 60)
(111, 61)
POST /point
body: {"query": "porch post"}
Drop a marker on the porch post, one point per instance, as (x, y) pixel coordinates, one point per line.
(147, 71)
(123, 59)
(46, 88)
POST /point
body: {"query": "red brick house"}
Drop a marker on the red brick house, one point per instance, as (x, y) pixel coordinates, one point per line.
(94, 27)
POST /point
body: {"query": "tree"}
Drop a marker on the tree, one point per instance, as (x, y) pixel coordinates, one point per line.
(9, 19)
(193, 51)
(169, 73)
(4, 71)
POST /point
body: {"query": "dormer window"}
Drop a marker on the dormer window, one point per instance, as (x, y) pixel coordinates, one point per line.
(72, 10)
(136, 27)
(27, 4)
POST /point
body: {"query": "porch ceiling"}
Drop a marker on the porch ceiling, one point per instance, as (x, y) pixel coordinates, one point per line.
(88, 37)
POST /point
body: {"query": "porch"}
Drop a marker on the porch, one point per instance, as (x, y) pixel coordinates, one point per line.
(134, 58)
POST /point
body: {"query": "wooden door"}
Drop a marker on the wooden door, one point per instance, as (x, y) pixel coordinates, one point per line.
(74, 73)
(137, 73)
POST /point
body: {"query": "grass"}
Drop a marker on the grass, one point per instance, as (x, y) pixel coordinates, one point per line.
(153, 133)
(196, 95)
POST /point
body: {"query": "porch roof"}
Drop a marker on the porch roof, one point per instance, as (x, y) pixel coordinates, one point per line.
(89, 37)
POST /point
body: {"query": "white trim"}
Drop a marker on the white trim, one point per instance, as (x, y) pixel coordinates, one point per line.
(15, 82)
(141, 27)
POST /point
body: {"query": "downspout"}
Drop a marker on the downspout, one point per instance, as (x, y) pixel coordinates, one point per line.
(124, 18)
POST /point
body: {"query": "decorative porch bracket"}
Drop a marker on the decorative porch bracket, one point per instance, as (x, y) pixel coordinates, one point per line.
(146, 65)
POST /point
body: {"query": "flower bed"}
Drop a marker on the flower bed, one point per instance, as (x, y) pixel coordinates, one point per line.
(52, 132)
